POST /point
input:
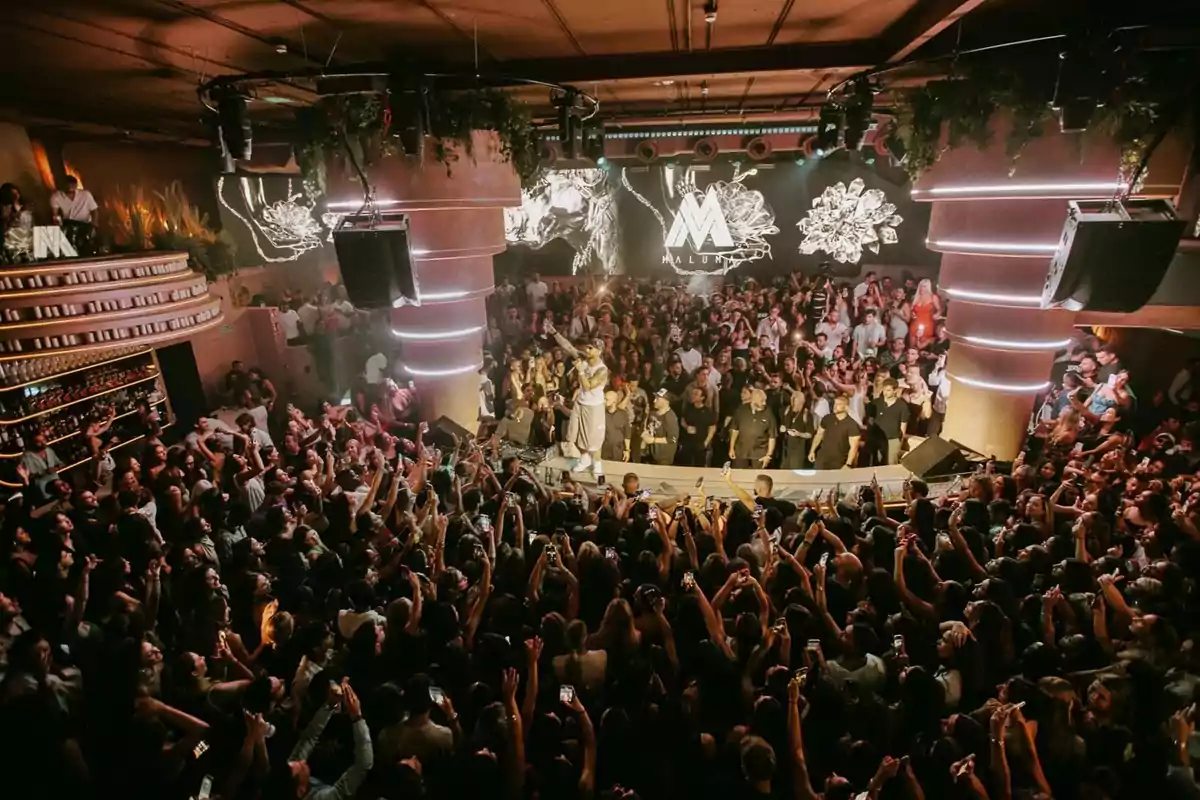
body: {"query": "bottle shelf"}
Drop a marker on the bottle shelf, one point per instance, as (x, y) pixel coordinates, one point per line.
(46, 411)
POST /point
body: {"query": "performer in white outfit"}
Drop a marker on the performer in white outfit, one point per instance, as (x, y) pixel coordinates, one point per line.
(585, 427)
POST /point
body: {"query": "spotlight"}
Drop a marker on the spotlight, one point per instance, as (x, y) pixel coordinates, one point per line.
(593, 142)
(829, 128)
(568, 124)
(236, 135)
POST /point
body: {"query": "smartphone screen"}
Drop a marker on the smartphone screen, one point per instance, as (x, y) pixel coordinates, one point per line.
(436, 695)
(205, 788)
(566, 693)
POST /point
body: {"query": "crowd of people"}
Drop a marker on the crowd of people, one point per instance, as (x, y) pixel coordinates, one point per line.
(799, 373)
(340, 602)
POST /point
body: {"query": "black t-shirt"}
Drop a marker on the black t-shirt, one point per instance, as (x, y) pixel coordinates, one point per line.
(835, 446)
(888, 419)
(755, 429)
(699, 417)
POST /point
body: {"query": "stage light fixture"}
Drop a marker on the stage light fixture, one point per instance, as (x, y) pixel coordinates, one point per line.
(857, 113)
(829, 128)
(234, 125)
(407, 106)
(569, 129)
(593, 142)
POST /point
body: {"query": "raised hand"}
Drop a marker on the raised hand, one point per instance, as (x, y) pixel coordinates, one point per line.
(350, 702)
(508, 686)
(533, 649)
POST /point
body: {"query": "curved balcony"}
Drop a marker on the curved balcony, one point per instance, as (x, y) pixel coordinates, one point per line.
(78, 309)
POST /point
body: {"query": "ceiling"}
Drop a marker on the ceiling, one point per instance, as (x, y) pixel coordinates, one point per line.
(133, 65)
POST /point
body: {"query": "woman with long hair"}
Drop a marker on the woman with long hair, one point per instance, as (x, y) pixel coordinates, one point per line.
(579, 666)
(926, 308)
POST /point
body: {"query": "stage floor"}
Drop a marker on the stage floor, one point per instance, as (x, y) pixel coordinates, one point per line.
(796, 486)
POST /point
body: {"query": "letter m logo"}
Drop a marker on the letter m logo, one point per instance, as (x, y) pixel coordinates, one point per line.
(698, 222)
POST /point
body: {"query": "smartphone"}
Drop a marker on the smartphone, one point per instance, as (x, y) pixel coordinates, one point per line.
(530, 536)
(551, 553)
(600, 479)
(780, 625)
(1145, 463)
(566, 694)
(813, 645)
(205, 788)
(898, 643)
(757, 512)
(436, 695)
(725, 469)
(610, 553)
(643, 495)
(824, 559)
(485, 523)
(511, 497)
(678, 513)
(699, 481)
(653, 514)
(689, 581)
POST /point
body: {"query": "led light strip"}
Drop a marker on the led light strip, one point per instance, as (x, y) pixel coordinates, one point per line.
(1015, 388)
(998, 298)
(461, 333)
(433, 297)
(1020, 188)
(1016, 344)
(357, 204)
(442, 373)
(992, 248)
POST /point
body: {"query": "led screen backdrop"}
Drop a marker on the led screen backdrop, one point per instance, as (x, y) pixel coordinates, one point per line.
(738, 219)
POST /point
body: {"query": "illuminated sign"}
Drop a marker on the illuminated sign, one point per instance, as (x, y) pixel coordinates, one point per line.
(699, 222)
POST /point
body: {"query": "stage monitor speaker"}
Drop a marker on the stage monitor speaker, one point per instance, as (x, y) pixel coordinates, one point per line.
(1112, 255)
(376, 261)
(444, 431)
(936, 457)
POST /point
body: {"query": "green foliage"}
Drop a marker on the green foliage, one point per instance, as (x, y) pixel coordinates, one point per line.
(359, 123)
(963, 105)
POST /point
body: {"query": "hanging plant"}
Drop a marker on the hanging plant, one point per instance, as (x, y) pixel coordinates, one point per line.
(963, 106)
(361, 125)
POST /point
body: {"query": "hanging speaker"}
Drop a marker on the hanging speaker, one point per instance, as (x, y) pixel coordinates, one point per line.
(375, 259)
(1112, 255)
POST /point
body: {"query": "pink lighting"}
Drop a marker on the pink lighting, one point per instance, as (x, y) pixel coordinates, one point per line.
(1022, 191)
(992, 248)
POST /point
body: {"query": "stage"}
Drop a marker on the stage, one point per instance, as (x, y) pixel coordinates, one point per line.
(797, 486)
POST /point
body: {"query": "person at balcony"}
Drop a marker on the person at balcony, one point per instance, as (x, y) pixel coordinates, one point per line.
(289, 323)
(39, 459)
(836, 444)
(13, 212)
(752, 433)
(74, 210)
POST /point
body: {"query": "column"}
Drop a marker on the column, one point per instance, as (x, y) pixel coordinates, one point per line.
(997, 223)
(456, 226)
